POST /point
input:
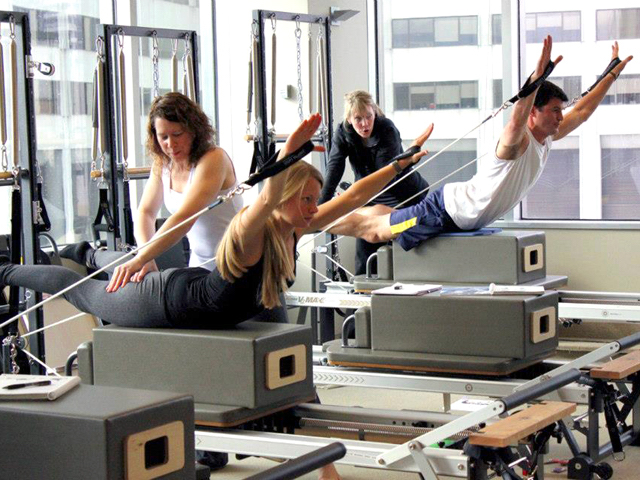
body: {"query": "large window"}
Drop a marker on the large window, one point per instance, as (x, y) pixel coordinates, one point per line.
(620, 176)
(64, 34)
(590, 175)
(436, 95)
(618, 24)
(562, 26)
(556, 194)
(434, 32)
(625, 91)
(450, 160)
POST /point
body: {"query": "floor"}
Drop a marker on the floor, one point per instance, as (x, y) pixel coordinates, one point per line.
(375, 398)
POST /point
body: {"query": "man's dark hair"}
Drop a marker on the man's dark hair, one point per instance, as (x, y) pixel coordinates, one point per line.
(546, 92)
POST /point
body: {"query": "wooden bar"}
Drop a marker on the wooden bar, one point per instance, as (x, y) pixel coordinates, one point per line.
(510, 430)
(139, 170)
(619, 368)
(6, 175)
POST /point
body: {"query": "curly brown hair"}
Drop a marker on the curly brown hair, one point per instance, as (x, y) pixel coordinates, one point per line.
(178, 108)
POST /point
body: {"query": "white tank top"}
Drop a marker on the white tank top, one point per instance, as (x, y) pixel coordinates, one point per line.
(497, 187)
(207, 232)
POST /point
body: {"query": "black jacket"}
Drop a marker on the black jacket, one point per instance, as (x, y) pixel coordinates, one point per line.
(384, 144)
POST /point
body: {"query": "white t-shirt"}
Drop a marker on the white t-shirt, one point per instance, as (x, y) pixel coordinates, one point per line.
(207, 232)
(496, 188)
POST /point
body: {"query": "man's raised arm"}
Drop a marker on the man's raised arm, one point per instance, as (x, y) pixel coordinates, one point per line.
(588, 104)
(513, 140)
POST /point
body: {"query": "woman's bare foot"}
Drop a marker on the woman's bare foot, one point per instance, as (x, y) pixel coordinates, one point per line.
(328, 472)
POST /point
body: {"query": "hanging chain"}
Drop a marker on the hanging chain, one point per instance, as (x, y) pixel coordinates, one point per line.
(155, 60)
(11, 341)
(298, 33)
(187, 51)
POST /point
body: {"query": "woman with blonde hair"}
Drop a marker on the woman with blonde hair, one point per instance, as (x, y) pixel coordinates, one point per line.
(370, 141)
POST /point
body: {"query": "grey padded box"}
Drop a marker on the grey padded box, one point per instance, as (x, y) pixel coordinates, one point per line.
(99, 433)
(506, 257)
(253, 365)
(492, 326)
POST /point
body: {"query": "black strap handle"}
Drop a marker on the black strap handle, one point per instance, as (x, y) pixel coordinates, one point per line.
(529, 87)
(614, 62)
(275, 168)
(409, 152)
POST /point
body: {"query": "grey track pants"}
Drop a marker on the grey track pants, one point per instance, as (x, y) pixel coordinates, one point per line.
(134, 305)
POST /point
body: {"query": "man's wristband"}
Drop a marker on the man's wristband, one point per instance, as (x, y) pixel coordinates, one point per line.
(397, 167)
(615, 77)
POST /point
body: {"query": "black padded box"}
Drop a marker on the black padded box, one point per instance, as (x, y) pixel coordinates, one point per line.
(99, 433)
(253, 365)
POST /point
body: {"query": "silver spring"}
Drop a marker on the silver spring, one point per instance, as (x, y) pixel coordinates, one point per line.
(5, 159)
(298, 33)
(12, 27)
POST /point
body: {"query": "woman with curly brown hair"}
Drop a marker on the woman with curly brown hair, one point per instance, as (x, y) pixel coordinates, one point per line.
(189, 171)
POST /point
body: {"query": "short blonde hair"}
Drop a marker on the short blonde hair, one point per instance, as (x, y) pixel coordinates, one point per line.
(278, 265)
(358, 101)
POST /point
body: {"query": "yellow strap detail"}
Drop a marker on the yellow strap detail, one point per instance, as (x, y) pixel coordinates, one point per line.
(406, 225)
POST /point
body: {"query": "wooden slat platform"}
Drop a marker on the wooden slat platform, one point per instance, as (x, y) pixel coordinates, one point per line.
(510, 430)
(619, 368)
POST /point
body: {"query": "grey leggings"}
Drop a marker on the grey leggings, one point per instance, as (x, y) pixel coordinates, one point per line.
(134, 305)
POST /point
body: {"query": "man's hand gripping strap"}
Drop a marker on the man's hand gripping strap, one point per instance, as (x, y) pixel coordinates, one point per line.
(529, 87)
(614, 62)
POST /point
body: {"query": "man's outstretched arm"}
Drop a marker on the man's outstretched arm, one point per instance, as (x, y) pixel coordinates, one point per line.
(513, 140)
(588, 104)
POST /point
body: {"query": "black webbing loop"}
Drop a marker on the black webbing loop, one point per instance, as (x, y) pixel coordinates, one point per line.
(614, 62)
(409, 152)
(273, 167)
(258, 161)
(16, 251)
(529, 87)
(44, 224)
(103, 212)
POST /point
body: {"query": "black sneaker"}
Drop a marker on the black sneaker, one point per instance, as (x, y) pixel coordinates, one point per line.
(76, 252)
(213, 460)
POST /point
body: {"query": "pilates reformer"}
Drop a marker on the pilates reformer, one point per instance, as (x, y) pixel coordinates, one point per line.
(111, 119)
(262, 427)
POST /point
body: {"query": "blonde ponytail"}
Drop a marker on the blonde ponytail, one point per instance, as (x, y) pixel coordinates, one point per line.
(278, 263)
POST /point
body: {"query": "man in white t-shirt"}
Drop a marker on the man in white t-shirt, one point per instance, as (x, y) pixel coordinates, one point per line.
(501, 182)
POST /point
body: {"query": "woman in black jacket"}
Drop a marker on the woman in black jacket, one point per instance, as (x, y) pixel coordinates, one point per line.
(370, 140)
